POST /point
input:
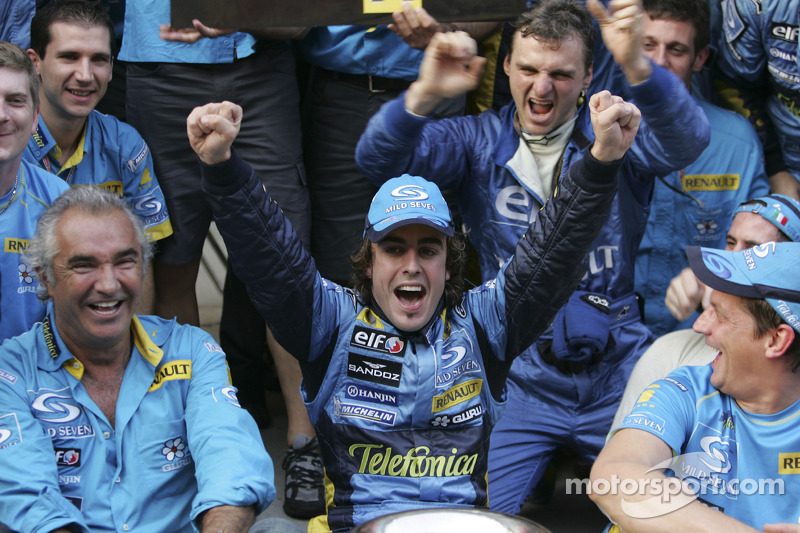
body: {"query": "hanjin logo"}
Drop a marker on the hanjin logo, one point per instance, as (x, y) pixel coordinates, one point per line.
(374, 370)
(410, 192)
(378, 341)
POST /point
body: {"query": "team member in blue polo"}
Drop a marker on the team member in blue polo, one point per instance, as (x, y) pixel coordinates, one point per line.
(71, 48)
(25, 191)
(728, 430)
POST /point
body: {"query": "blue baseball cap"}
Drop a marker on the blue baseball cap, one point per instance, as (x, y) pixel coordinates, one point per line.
(407, 200)
(767, 272)
(778, 209)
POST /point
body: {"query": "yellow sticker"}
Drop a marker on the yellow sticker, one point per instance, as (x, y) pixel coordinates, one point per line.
(789, 463)
(711, 182)
(388, 6)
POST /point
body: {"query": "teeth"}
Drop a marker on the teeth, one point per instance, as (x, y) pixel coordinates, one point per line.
(105, 307)
(411, 289)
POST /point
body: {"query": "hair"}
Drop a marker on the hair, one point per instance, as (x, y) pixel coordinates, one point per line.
(551, 21)
(91, 200)
(695, 12)
(455, 263)
(767, 319)
(13, 57)
(79, 12)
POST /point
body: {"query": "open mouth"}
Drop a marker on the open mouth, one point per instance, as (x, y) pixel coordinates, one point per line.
(539, 108)
(106, 308)
(78, 93)
(409, 295)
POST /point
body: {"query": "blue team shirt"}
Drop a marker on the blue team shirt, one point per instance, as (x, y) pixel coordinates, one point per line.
(180, 444)
(19, 306)
(141, 42)
(725, 451)
(111, 155)
(376, 51)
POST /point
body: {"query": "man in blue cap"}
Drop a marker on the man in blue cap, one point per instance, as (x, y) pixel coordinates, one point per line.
(774, 217)
(727, 431)
(404, 377)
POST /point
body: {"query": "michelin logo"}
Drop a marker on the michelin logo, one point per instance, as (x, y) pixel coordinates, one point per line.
(381, 416)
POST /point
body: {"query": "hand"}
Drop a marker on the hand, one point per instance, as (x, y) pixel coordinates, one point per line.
(450, 67)
(190, 35)
(615, 123)
(212, 129)
(415, 26)
(622, 26)
(685, 293)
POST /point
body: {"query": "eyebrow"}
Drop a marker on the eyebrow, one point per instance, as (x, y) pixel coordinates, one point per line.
(91, 258)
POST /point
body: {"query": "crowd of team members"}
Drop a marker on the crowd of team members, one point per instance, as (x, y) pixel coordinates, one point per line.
(378, 103)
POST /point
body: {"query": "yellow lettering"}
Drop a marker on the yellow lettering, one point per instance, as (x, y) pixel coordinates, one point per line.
(457, 394)
(393, 463)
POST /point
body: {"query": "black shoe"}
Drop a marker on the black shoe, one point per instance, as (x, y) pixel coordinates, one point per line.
(305, 488)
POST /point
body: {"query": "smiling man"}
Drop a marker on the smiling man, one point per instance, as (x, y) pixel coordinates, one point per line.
(732, 424)
(25, 191)
(404, 377)
(71, 49)
(113, 421)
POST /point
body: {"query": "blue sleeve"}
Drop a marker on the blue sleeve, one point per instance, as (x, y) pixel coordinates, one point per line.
(674, 130)
(30, 498)
(397, 142)
(141, 187)
(265, 252)
(231, 465)
(666, 409)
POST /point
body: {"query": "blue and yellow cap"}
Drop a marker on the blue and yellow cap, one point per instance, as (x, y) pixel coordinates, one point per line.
(767, 271)
(407, 200)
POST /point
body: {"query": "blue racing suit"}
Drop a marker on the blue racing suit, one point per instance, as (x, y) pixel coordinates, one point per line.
(180, 443)
(741, 463)
(111, 155)
(694, 207)
(19, 306)
(555, 401)
(404, 418)
(759, 55)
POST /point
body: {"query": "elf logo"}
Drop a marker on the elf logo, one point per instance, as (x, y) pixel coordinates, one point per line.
(377, 341)
(68, 456)
(785, 32)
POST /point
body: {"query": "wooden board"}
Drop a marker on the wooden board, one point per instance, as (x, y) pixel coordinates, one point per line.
(255, 14)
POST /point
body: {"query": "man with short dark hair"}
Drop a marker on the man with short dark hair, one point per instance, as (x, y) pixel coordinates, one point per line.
(113, 421)
(25, 191)
(71, 49)
(727, 431)
(404, 379)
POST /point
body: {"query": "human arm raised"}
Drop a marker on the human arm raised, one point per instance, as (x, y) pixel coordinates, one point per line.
(622, 26)
(450, 67)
